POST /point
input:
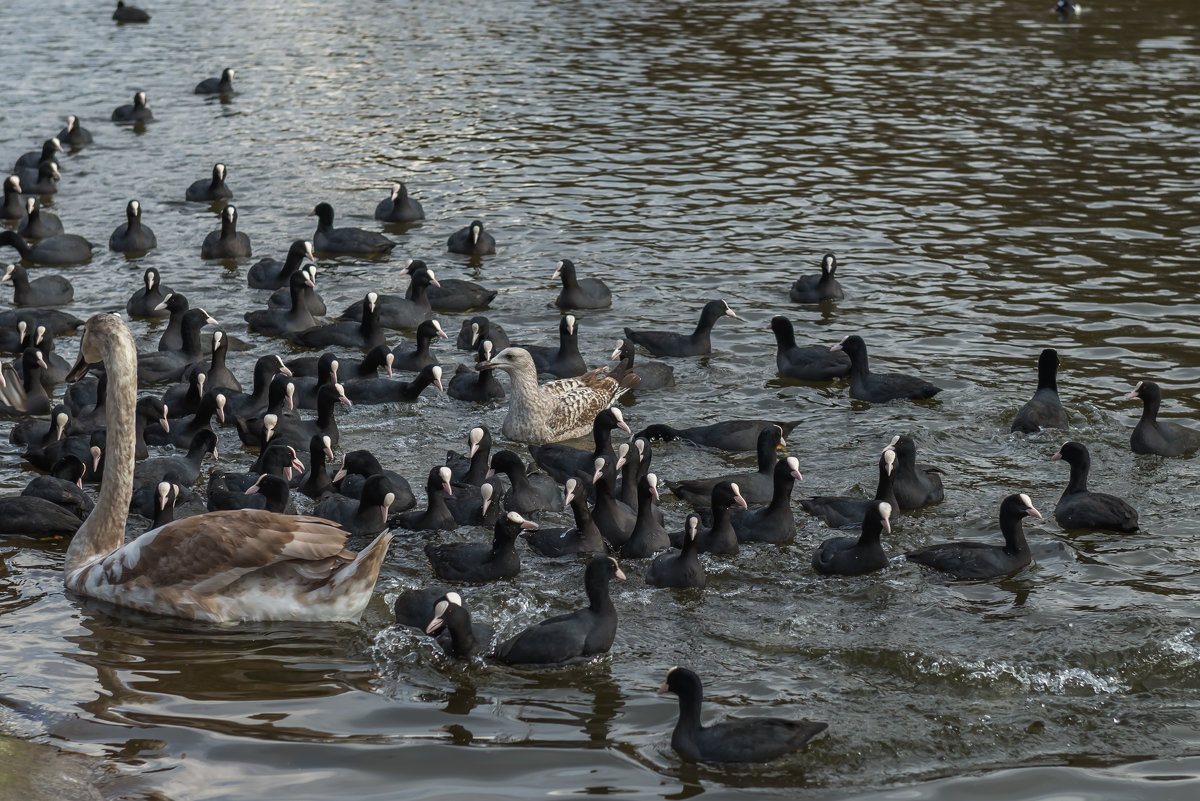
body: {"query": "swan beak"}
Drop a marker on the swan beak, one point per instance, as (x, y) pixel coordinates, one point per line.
(79, 370)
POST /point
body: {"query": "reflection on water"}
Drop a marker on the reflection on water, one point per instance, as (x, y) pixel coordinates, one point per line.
(993, 182)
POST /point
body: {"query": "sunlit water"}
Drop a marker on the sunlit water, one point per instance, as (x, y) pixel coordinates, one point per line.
(993, 181)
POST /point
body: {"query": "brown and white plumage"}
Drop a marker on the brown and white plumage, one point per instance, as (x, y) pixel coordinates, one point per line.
(220, 566)
(557, 410)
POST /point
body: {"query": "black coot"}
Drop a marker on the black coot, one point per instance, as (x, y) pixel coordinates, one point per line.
(980, 560)
(150, 300)
(564, 359)
(756, 487)
(653, 375)
(880, 387)
(366, 515)
(271, 273)
(456, 634)
(209, 189)
(583, 537)
(575, 635)
(471, 240)
(810, 363)
(1044, 409)
(398, 206)
(227, 243)
(915, 484)
(414, 359)
(74, 135)
(436, 516)
(1079, 508)
(759, 739)
(132, 236)
(124, 13)
(774, 522)
(728, 435)
(221, 85)
(697, 343)
(845, 511)
(580, 293)
(480, 562)
(58, 249)
(1152, 435)
(682, 568)
(854, 556)
(339, 241)
(38, 223)
(818, 288)
(648, 536)
(137, 111)
(46, 290)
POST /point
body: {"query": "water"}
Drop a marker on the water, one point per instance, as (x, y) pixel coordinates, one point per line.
(993, 182)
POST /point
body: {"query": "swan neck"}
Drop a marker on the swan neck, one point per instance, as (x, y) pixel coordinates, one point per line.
(104, 530)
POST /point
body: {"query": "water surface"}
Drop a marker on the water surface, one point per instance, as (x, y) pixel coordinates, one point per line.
(993, 181)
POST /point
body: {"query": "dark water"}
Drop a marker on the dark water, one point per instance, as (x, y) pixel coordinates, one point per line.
(993, 181)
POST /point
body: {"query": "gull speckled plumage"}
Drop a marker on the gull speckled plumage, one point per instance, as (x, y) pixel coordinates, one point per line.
(557, 410)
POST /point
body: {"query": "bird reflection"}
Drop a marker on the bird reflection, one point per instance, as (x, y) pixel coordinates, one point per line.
(152, 670)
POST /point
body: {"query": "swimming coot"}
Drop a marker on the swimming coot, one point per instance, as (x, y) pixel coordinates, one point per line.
(1044, 409)
(132, 236)
(981, 560)
(697, 343)
(1152, 435)
(818, 288)
(1079, 508)
(880, 387)
(854, 556)
(575, 635)
(758, 739)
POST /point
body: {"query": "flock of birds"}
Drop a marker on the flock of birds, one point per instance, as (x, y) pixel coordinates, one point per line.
(251, 557)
